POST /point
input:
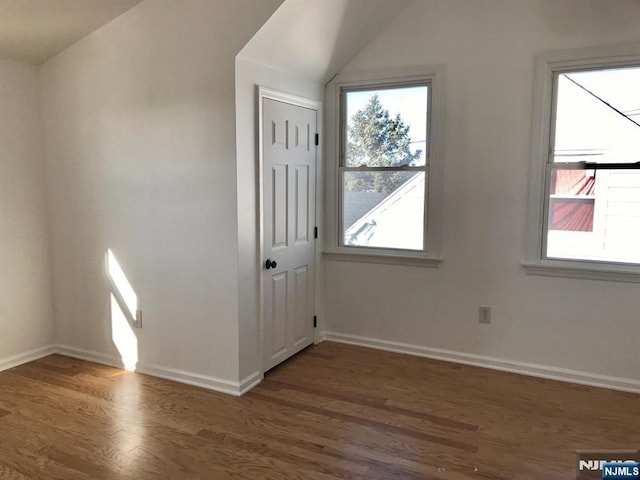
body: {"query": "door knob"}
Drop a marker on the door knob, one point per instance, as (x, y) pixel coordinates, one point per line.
(270, 264)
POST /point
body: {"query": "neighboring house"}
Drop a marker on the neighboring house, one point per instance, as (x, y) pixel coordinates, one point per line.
(396, 219)
(357, 204)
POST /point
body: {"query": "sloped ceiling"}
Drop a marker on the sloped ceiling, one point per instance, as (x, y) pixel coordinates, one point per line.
(33, 31)
(314, 39)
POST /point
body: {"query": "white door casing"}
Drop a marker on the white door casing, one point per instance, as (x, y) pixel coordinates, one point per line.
(289, 156)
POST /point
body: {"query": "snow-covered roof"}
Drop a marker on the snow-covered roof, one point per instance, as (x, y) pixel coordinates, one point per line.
(395, 222)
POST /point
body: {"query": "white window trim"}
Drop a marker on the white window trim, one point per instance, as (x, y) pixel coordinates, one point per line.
(333, 250)
(545, 66)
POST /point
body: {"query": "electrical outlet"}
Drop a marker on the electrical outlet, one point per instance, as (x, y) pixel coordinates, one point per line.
(484, 315)
(137, 322)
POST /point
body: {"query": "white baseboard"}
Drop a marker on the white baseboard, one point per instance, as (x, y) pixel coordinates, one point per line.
(26, 357)
(250, 381)
(88, 355)
(180, 376)
(531, 369)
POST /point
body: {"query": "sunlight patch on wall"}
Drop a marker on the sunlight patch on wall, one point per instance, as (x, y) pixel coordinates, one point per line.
(122, 285)
(124, 304)
(123, 337)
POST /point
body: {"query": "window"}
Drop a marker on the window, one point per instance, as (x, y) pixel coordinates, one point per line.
(382, 170)
(384, 166)
(590, 150)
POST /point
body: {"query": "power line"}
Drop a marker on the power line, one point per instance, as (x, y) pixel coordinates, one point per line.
(601, 100)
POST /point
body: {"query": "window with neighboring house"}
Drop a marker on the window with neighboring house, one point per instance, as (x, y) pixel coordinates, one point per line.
(594, 187)
(590, 216)
(384, 166)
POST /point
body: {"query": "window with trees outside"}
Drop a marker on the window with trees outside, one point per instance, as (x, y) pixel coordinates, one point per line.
(384, 166)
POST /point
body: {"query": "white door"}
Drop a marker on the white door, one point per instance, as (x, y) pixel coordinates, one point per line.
(289, 193)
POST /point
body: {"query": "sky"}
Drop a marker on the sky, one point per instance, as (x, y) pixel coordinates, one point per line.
(586, 125)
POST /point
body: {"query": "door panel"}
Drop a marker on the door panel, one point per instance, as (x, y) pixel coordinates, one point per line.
(303, 136)
(279, 128)
(302, 203)
(301, 303)
(279, 202)
(279, 316)
(289, 196)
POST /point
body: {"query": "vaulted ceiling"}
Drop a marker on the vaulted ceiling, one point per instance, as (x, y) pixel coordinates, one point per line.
(314, 39)
(33, 31)
(310, 38)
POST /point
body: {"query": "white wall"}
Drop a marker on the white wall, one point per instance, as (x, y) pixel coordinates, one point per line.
(248, 76)
(487, 49)
(26, 321)
(139, 132)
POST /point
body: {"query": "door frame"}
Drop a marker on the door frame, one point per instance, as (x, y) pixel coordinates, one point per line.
(304, 102)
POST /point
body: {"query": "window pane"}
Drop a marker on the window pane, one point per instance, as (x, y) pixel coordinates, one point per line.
(384, 209)
(572, 200)
(598, 116)
(386, 127)
(594, 215)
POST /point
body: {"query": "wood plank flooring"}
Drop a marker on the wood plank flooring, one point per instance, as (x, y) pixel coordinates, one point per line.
(332, 412)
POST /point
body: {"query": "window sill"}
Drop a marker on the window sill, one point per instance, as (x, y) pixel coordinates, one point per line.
(385, 259)
(584, 271)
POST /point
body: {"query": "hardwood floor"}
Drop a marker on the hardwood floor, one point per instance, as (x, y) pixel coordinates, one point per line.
(333, 411)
